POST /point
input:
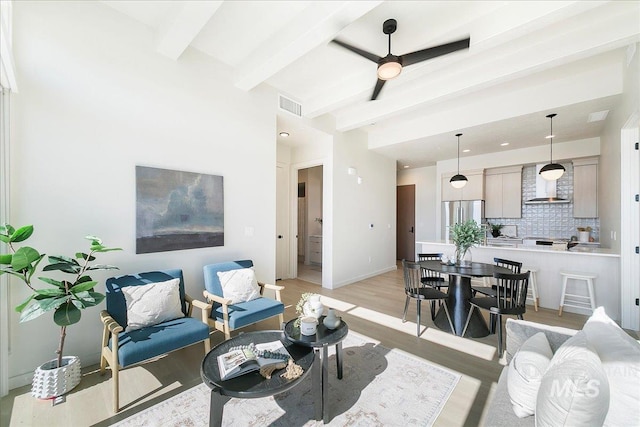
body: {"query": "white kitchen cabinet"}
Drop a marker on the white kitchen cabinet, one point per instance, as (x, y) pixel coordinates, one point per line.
(585, 188)
(474, 190)
(315, 249)
(503, 192)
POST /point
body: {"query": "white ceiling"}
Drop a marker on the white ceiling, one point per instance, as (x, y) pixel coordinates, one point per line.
(526, 59)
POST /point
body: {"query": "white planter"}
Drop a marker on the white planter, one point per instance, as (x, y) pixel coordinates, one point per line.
(49, 381)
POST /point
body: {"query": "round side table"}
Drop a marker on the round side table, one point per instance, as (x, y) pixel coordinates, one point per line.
(320, 343)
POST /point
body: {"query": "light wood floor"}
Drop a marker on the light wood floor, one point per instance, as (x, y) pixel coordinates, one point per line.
(375, 304)
(310, 273)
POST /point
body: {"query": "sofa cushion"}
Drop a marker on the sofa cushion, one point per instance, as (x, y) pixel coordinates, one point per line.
(500, 411)
(518, 331)
(249, 312)
(525, 374)
(620, 356)
(152, 303)
(142, 344)
(574, 390)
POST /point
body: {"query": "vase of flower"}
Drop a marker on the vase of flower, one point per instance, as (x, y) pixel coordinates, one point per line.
(313, 306)
(465, 235)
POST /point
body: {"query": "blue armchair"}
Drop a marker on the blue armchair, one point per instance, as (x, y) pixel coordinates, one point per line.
(121, 348)
(225, 316)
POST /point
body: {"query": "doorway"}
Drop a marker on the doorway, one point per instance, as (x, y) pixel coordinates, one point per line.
(405, 222)
(310, 238)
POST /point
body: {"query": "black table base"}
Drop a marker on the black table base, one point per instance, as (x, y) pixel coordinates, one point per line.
(320, 342)
(252, 384)
(459, 307)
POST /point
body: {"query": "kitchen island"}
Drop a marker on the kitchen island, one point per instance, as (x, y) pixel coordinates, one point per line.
(604, 263)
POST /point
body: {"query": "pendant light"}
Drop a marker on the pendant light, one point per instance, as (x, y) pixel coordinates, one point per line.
(551, 171)
(458, 181)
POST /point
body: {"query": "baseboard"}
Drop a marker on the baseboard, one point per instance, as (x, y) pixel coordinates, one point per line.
(336, 285)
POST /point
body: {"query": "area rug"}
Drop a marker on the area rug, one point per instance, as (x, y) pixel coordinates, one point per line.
(380, 387)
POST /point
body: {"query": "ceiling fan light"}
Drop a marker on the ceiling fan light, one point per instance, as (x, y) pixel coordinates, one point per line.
(389, 70)
(552, 171)
(458, 181)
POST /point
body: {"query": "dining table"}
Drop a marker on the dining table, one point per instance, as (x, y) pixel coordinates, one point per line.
(459, 293)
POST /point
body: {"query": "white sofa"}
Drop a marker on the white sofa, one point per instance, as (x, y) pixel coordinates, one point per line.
(568, 377)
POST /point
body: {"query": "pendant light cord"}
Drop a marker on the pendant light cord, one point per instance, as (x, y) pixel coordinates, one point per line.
(551, 116)
(551, 145)
(458, 135)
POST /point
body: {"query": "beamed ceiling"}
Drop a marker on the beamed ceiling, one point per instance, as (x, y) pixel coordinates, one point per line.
(526, 59)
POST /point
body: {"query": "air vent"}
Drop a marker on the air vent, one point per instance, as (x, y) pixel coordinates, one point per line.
(597, 116)
(290, 106)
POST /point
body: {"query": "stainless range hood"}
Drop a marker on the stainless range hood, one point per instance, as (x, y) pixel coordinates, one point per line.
(545, 191)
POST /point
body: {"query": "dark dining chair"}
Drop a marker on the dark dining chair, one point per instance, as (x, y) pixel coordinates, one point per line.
(490, 291)
(510, 299)
(416, 289)
(432, 278)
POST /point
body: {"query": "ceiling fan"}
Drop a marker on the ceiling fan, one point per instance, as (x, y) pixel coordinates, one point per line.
(391, 65)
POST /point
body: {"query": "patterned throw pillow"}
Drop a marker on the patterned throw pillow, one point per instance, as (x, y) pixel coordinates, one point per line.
(148, 305)
(239, 285)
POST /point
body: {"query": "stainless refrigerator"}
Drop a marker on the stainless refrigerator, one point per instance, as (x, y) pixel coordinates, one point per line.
(460, 211)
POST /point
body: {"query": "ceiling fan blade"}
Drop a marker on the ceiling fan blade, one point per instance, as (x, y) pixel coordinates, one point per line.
(376, 90)
(363, 53)
(433, 52)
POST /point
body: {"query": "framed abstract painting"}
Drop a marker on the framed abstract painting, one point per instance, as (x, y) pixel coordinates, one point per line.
(178, 210)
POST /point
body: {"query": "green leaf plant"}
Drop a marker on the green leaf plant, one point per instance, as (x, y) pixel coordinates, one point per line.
(66, 298)
(464, 236)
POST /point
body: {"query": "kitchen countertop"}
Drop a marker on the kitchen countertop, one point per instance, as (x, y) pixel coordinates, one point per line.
(549, 263)
(584, 250)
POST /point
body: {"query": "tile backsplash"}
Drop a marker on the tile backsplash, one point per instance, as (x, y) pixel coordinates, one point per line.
(549, 219)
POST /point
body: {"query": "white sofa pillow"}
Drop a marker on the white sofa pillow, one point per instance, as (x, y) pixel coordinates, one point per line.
(154, 303)
(620, 356)
(239, 285)
(574, 391)
(525, 373)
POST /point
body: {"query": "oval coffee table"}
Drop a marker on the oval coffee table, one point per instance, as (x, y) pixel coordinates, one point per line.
(252, 384)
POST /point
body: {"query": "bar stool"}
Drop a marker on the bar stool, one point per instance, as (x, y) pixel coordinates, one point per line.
(577, 300)
(532, 291)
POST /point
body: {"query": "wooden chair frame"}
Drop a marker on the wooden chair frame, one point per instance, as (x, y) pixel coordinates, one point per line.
(224, 326)
(109, 356)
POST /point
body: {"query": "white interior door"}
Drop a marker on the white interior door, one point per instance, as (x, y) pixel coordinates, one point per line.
(282, 222)
(630, 225)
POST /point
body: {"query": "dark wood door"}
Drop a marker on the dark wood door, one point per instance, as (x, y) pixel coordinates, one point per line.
(406, 222)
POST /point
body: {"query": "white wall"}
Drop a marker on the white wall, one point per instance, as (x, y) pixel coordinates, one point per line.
(96, 100)
(609, 165)
(359, 251)
(426, 181)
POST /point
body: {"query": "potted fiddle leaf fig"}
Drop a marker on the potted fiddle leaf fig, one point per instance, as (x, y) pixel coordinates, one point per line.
(66, 298)
(465, 235)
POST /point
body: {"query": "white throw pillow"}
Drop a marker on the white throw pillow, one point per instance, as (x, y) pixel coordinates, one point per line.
(239, 285)
(620, 356)
(148, 305)
(525, 374)
(574, 391)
